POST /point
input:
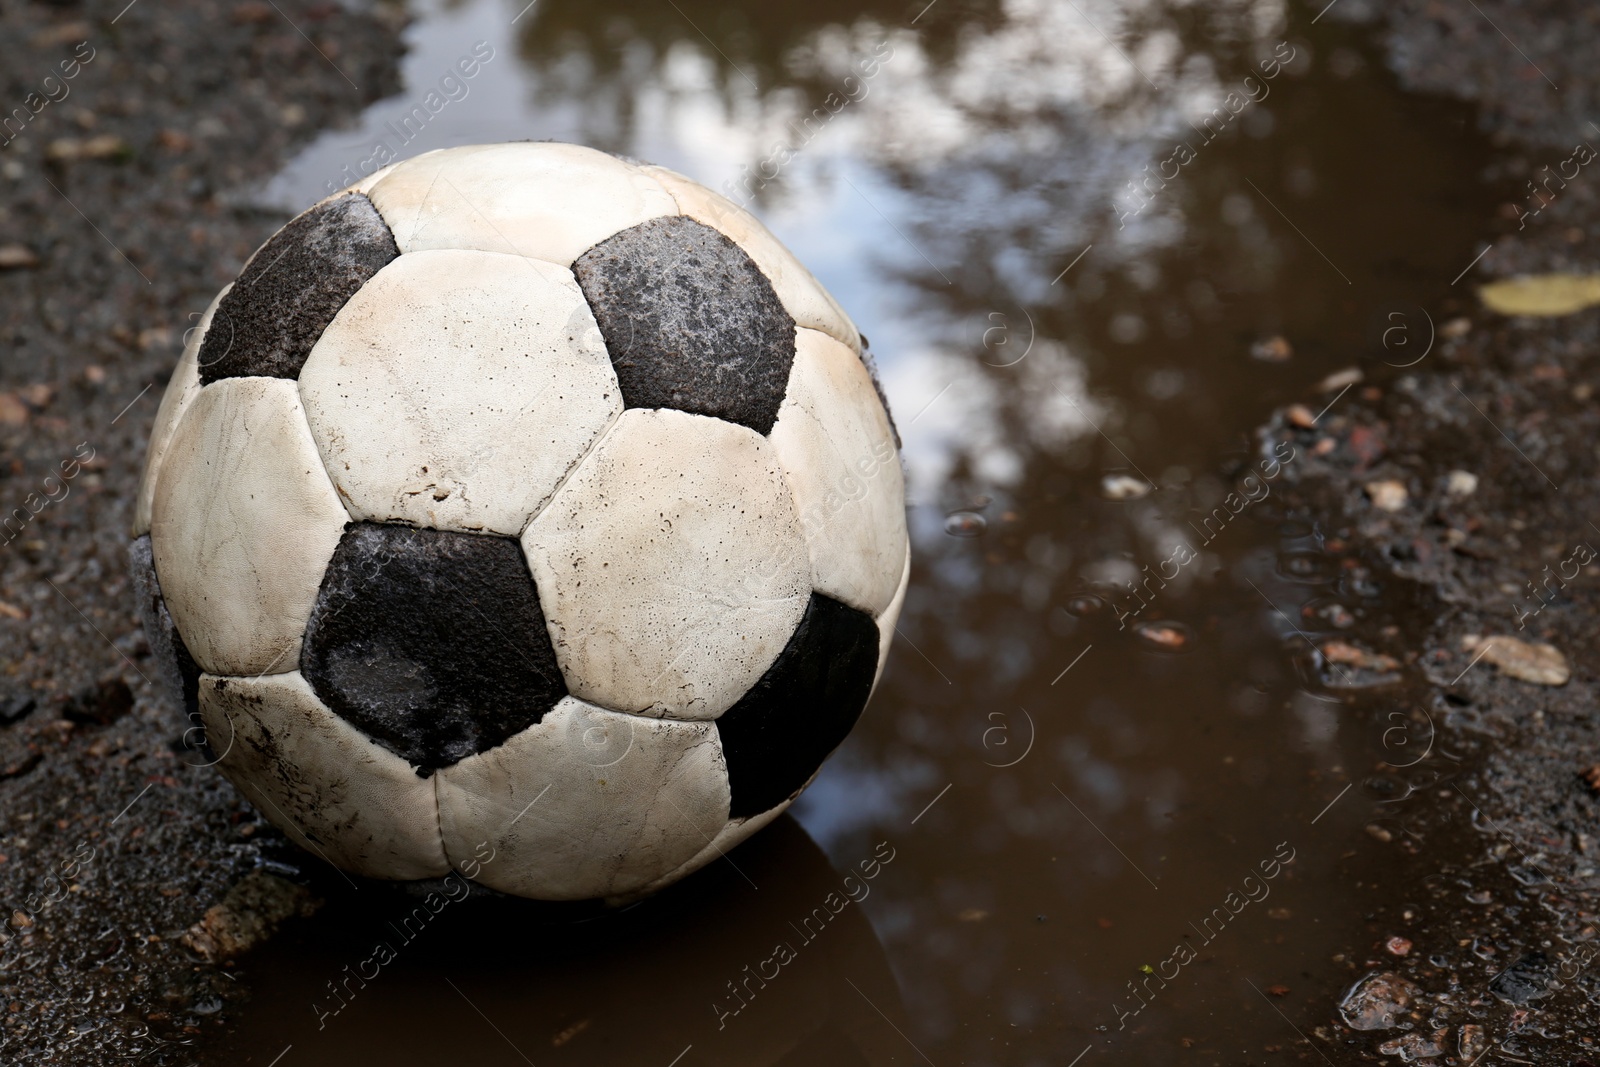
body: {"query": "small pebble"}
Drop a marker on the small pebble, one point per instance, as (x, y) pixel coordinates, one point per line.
(1378, 1002)
(13, 412)
(1461, 483)
(104, 146)
(1300, 416)
(1164, 636)
(1123, 487)
(1398, 946)
(1388, 495)
(1354, 656)
(1272, 350)
(1339, 379)
(17, 257)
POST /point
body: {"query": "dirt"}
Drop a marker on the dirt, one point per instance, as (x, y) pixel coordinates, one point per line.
(1485, 451)
(122, 211)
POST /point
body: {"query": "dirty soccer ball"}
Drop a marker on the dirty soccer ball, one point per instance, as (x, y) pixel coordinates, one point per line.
(526, 510)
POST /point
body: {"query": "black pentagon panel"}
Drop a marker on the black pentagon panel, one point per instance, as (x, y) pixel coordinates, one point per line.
(778, 734)
(690, 321)
(431, 642)
(178, 668)
(292, 288)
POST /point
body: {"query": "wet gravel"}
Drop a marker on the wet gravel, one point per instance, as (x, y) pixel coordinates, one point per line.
(1462, 489)
(123, 208)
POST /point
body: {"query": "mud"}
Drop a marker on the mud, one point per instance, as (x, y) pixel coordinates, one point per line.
(123, 189)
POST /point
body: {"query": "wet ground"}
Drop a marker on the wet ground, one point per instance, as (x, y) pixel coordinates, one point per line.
(1183, 755)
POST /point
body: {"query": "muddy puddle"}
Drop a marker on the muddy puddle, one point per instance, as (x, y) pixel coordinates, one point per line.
(1114, 807)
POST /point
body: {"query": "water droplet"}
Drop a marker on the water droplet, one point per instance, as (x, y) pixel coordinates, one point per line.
(1169, 637)
(965, 524)
(1085, 605)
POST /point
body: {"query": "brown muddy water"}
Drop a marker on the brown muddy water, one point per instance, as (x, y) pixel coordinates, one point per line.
(1077, 824)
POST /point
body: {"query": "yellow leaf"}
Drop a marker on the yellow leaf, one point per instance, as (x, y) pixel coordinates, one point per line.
(1542, 294)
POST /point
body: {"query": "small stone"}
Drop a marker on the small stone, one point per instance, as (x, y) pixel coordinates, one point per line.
(1591, 778)
(1164, 636)
(1300, 416)
(1526, 979)
(1413, 1047)
(1461, 483)
(1398, 946)
(1471, 1042)
(1123, 487)
(1456, 328)
(13, 412)
(105, 146)
(37, 395)
(1387, 495)
(1377, 1001)
(1278, 990)
(1540, 664)
(248, 915)
(1272, 350)
(1354, 656)
(17, 257)
(1378, 832)
(1339, 380)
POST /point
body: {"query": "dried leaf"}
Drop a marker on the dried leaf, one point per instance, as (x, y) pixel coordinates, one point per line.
(1542, 294)
(1540, 664)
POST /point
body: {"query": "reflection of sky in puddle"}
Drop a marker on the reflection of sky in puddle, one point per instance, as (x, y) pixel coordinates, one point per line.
(947, 211)
(837, 202)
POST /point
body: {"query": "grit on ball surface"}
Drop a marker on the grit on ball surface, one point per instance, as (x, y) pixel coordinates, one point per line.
(525, 496)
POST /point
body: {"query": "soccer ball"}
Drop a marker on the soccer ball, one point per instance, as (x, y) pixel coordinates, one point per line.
(524, 512)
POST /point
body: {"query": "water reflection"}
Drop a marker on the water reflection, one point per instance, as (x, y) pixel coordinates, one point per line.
(1077, 355)
(771, 961)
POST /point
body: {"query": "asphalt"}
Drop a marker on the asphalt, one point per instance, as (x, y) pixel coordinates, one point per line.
(121, 215)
